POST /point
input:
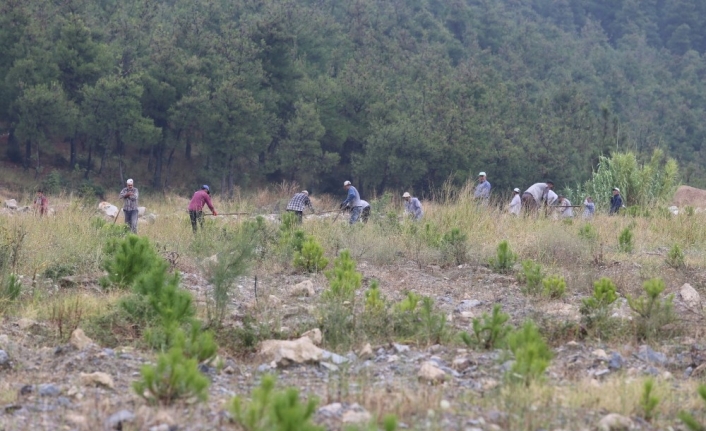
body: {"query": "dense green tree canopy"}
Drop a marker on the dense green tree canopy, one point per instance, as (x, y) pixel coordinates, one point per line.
(390, 94)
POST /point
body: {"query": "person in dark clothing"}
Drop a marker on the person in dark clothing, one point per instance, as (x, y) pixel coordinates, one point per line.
(616, 202)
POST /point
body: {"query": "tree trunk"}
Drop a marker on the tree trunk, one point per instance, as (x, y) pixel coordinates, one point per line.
(187, 151)
(72, 152)
(100, 168)
(159, 151)
(88, 162)
(168, 168)
(28, 154)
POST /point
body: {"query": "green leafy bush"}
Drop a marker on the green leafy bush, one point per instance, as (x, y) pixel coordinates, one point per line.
(196, 343)
(273, 410)
(129, 258)
(626, 241)
(554, 286)
(532, 355)
(504, 260)
(232, 263)
(374, 302)
(311, 257)
(653, 313)
(648, 402)
(588, 232)
(433, 328)
(344, 280)
(173, 377)
(532, 275)
(688, 419)
(454, 246)
(675, 257)
(595, 310)
(490, 331)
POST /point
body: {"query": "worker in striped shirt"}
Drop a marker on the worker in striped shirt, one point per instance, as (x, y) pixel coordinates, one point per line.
(297, 204)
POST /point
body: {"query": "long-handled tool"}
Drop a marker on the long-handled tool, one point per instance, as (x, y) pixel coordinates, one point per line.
(229, 214)
(116, 216)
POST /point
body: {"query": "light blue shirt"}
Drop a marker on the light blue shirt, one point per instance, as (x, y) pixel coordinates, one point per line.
(482, 190)
(353, 198)
(414, 207)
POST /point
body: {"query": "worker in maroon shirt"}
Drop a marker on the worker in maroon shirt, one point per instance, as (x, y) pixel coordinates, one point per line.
(201, 197)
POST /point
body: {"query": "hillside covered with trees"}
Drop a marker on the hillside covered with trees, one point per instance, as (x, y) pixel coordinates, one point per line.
(391, 94)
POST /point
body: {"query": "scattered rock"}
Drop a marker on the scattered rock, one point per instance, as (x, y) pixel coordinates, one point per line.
(366, 352)
(98, 378)
(600, 354)
(331, 410)
(285, 352)
(25, 323)
(11, 204)
(646, 354)
(163, 418)
(615, 422)
(333, 357)
(616, 361)
(445, 405)
(460, 363)
(79, 339)
(4, 359)
(151, 218)
(400, 348)
(49, 390)
(430, 373)
(305, 288)
(116, 420)
(315, 336)
(467, 304)
(690, 296)
(356, 417)
(141, 211)
(108, 209)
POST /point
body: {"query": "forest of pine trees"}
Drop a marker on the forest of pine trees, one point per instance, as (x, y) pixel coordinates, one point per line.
(388, 93)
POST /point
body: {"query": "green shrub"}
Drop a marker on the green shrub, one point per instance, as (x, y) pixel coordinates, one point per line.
(231, 264)
(405, 316)
(688, 419)
(532, 355)
(290, 221)
(595, 310)
(648, 402)
(689, 211)
(173, 377)
(344, 280)
(196, 343)
(59, 270)
(10, 289)
(675, 257)
(626, 241)
(504, 259)
(311, 257)
(588, 232)
(409, 303)
(454, 246)
(374, 302)
(532, 275)
(433, 328)
(490, 330)
(653, 313)
(273, 410)
(554, 286)
(129, 258)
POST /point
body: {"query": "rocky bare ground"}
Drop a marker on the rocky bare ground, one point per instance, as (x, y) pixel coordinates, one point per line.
(84, 386)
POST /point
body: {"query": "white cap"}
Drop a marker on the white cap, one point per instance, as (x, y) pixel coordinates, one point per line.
(129, 181)
(346, 183)
(482, 174)
(406, 195)
(305, 192)
(616, 189)
(516, 190)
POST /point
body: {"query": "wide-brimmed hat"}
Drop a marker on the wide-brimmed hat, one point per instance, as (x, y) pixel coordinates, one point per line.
(406, 195)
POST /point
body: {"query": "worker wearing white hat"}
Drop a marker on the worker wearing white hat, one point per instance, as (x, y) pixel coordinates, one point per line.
(516, 203)
(352, 201)
(616, 202)
(412, 206)
(482, 189)
(129, 195)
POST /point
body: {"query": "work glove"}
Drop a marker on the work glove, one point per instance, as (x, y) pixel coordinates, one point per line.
(343, 205)
(215, 213)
